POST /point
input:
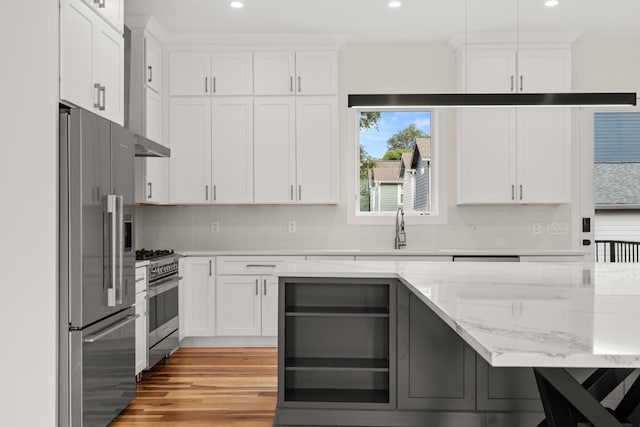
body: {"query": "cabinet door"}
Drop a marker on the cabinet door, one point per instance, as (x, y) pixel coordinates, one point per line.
(544, 155)
(76, 50)
(489, 71)
(110, 10)
(232, 150)
(275, 149)
(316, 149)
(506, 389)
(153, 115)
(153, 62)
(273, 73)
(269, 306)
(232, 73)
(544, 70)
(108, 71)
(141, 333)
(317, 73)
(199, 283)
(190, 138)
(189, 73)
(238, 306)
(436, 368)
(487, 156)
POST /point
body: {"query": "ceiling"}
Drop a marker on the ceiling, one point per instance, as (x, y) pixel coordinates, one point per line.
(416, 21)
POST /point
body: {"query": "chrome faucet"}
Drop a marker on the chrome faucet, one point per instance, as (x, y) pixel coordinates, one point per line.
(401, 236)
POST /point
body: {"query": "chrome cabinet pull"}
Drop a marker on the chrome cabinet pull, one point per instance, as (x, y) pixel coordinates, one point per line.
(257, 286)
(96, 104)
(215, 193)
(265, 286)
(521, 84)
(511, 89)
(103, 90)
(290, 83)
(150, 68)
(214, 85)
(520, 191)
(299, 192)
(291, 191)
(206, 85)
(210, 268)
(206, 192)
(150, 190)
(513, 192)
(261, 266)
(299, 83)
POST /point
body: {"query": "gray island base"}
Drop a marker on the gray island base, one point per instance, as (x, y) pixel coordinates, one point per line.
(402, 344)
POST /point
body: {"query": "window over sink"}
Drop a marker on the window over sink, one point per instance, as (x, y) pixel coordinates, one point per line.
(398, 164)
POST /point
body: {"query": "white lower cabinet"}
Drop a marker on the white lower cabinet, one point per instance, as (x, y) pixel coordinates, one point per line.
(141, 321)
(247, 306)
(199, 287)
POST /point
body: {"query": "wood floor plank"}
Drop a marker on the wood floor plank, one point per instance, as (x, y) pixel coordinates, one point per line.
(223, 387)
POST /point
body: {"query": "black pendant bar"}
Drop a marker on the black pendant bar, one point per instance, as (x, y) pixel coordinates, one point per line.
(493, 99)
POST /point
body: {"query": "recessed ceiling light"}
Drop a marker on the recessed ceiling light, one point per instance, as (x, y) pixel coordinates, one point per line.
(236, 4)
(551, 3)
(395, 3)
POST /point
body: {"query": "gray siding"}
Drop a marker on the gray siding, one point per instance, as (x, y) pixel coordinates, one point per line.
(408, 190)
(422, 198)
(389, 196)
(617, 137)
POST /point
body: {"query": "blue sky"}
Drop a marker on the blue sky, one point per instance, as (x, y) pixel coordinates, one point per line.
(391, 122)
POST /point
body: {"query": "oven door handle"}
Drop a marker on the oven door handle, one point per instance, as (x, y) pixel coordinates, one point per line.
(163, 286)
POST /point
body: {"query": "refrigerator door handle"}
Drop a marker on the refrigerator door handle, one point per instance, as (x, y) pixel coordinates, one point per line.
(121, 248)
(103, 333)
(112, 209)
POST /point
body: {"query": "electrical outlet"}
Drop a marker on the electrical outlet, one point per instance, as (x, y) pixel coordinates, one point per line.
(557, 228)
(215, 227)
(536, 228)
(292, 227)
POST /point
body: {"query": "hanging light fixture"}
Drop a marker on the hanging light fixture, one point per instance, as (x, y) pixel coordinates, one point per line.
(561, 99)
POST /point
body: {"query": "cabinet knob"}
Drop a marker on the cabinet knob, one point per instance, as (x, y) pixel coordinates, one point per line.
(150, 79)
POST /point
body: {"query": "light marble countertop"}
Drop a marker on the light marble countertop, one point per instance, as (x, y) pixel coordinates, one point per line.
(384, 252)
(519, 314)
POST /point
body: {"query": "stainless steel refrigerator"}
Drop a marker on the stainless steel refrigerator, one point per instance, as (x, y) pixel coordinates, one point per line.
(97, 269)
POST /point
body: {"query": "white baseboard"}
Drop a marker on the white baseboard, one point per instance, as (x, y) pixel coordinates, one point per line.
(229, 342)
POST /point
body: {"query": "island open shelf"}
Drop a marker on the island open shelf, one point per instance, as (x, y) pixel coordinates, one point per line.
(337, 338)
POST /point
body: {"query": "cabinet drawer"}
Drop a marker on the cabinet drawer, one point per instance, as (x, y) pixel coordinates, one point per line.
(252, 265)
(141, 279)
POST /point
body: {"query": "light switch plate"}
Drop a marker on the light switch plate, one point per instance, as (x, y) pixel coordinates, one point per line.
(292, 227)
(557, 228)
(215, 227)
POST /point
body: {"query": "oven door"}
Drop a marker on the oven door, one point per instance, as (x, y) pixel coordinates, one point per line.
(163, 308)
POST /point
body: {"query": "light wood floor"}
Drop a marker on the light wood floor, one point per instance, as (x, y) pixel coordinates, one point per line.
(234, 387)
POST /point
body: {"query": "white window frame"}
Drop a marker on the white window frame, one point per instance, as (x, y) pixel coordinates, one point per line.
(439, 141)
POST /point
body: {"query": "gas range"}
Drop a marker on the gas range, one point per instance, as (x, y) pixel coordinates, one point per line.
(162, 263)
(148, 254)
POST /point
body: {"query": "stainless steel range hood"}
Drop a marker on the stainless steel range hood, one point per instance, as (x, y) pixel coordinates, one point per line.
(148, 148)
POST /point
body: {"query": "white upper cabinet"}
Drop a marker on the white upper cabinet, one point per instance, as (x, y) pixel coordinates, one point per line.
(317, 149)
(300, 73)
(190, 162)
(274, 73)
(205, 73)
(317, 73)
(275, 149)
(232, 150)
(515, 155)
(525, 70)
(110, 10)
(212, 150)
(153, 63)
(91, 61)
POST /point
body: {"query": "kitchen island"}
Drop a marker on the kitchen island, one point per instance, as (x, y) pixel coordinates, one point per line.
(446, 344)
